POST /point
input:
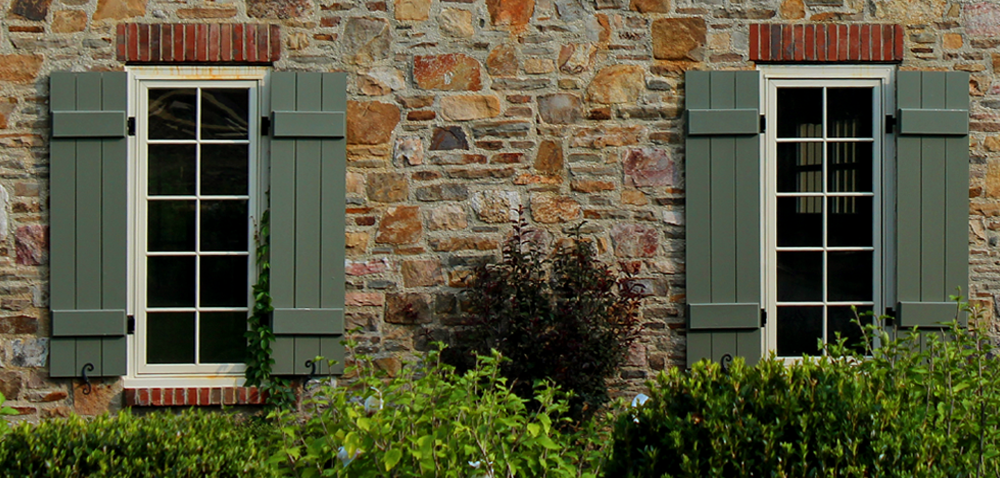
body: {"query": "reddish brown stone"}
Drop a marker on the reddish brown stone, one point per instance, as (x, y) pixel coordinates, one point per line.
(407, 308)
(18, 324)
(409, 150)
(370, 122)
(119, 9)
(387, 187)
(617, 84)
(101, 398)
(604, 136)
(364, 299)
(559, 108)
(502, 61)
(507, 158)
(549, 208)
(31, 9)
(19, 68)
(196, 13)
(591, 186)
(31, 243)
(650, 6)
(422, 273)
(635, 240)
(421, 115)
(10, 384)
(576, 58)
(448, 138)
(513, 13)
(792, 10)
(400, 225)
(451, 72)
(281, 9)
(678, 38)
(452, 244)
(649, 167)
(549, 160)
(69, 21)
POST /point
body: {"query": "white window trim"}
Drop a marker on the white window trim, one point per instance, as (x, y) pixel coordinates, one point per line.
(884, 185)
(229, 376)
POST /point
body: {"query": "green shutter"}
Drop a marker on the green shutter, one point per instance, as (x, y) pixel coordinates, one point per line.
(722, 171)
(88, 224)
(308, 174)
(932, 202)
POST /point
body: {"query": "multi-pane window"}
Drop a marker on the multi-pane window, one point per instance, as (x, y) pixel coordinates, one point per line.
(194, 231)
(824, 243)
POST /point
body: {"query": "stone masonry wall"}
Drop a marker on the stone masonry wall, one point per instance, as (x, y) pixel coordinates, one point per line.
(461, 112)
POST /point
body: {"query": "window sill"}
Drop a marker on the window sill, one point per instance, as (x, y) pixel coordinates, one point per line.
(193, 396)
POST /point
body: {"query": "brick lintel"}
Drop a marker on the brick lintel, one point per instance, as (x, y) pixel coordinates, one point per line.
(193, 396)
(201, 43)
(826, 43)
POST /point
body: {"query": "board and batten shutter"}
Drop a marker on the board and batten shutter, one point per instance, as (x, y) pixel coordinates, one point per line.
(722, 184)
(88, 184)
(932, 202)
(308, 175)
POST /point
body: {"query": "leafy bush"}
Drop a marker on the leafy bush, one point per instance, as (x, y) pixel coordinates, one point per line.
(920, 406)
(192, 444)
(570, 319)
(430, 421)
(4, 410)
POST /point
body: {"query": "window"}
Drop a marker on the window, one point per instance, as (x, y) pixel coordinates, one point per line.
(823, 205)
(195, 208)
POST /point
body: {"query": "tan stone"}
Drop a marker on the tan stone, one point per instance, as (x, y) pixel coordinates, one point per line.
(502, 61)
(634, 197)
(390, 365)
(650, 6)
(103, 397)
(496, 207)
(400, 225)
(993, 179)
(678, 38)
(456, 23)
(119, 9)
(549, 160)
(19, 68)
(792, 10)
(719, 41)
(380, 81)
(297, 41)
(576, 58)
(451, 217)
(538, 66)
(367, 40)
(992, 144)
(548, 208)
(421, 273)
(412, 10)
(514, 13)
(69, 21)
(591, 186)
(387, 187)
(370, 122)
(221, 11)
(409, 149)
(451, 72)
(356, 242)
(617, 84)
(951, 41)
(604, 136)
(364, 299)
(355, 183)
(469, 107)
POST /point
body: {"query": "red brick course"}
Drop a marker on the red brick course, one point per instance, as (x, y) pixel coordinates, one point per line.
(170, 43)
(166, 397)
(823, 43)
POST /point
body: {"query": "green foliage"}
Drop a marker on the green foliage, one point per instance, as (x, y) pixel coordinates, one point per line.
(430, 421)
(188, 445)
(4, 410)
(259, 334)
(925, 405)
(570, 319)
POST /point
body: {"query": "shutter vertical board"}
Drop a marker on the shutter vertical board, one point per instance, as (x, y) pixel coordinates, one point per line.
(88, 225)
(722, 170)
(932, 194)
(308, 174)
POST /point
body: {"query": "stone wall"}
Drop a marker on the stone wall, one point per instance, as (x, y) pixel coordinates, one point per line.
(461, 112)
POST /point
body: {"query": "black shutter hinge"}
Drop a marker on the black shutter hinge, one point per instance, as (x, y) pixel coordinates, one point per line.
(131, 325)
(763, 124)
(130, 125)
(890, 124)
(890, 317)
(265, 125)
(763, 317)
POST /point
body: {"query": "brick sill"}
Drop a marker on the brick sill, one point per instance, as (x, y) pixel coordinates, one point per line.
(192, 396)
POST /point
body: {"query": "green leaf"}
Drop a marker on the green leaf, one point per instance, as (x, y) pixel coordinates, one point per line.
(547, 443)
(392, 457)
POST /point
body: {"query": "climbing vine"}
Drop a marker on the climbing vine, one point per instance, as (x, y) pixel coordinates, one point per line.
(259, 334)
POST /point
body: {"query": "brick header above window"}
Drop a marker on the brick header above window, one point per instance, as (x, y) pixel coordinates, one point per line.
(824, 43)
(194, 396)
(174, 43)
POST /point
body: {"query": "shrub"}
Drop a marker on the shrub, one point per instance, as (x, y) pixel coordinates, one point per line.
(4, 410)
(192, 444)
(430, 421)
(570, 319)
(918, 406)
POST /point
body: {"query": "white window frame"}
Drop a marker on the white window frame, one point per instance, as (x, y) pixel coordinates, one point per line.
(145, 375)
(880, 77)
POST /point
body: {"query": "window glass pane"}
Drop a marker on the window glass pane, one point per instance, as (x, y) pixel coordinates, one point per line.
(171, 169)
(849, 167)
(172, 113)
(224, 225)
(170, 281)
(843, 320)
(224, 169)
(849, 112)
(800, 276)
(224, 113)
(800, 112)
(222, 339)
(849, 222)
(850, 276)
(170, 225)
(800, 167)
(799, 329)
(170, 337)
(224, 281)
(800, 221)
